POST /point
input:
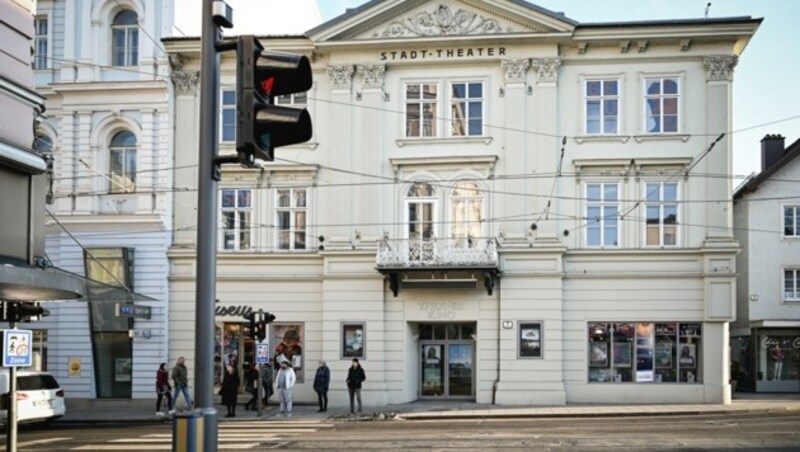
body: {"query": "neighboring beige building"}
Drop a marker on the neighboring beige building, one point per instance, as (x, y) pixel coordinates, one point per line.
(499, 204)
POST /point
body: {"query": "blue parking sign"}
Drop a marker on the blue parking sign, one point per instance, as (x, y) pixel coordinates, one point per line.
(262, 353)
(17, 351)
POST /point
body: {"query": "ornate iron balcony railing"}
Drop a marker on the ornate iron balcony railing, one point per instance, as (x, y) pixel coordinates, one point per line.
(449, 253)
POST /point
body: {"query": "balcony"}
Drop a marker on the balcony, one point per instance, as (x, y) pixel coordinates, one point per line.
(399, 257)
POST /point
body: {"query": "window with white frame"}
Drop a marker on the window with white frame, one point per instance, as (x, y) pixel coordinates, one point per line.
(661, 207)
(292, 99)
(466, 207)
(422, 100)
(236, 208)
(227, 116)
(40, 41)
(791, 284)
(291, 212)
(122, 153)
(791, 221)
(421, 208)
(466, 109)
(602, 211)
(661, 104)
(125, 39)
(602, 107)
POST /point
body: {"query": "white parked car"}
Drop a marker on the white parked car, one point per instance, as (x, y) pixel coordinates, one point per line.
(39, 397)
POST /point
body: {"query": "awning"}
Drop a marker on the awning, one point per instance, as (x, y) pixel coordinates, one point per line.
(26, 283)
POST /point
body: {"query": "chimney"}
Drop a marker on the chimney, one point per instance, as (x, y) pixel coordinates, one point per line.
(772, 148)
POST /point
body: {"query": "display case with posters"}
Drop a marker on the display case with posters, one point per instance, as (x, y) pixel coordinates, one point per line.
(598, 349)
(288, 339)
(353, 340)
(688, 359)
(530, 340)
(666, 348)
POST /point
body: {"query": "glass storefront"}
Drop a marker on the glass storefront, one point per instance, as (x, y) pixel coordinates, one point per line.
(447, 357)
(234, 346)
(767, 361)
(644, 352)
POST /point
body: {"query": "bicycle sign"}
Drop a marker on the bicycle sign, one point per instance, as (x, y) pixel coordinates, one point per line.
(262, 353)
(17, 348)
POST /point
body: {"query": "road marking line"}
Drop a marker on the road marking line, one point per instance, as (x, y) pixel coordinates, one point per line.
(41, 441)
(163, 440)
(127, 447)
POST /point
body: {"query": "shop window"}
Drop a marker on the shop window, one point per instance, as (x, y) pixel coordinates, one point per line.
(290, 339)
(644, 352)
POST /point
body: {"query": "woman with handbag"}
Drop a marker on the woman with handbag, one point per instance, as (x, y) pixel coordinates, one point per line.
(163, 388)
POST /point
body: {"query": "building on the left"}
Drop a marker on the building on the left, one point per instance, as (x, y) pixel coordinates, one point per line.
(105, 78)
(25, 275)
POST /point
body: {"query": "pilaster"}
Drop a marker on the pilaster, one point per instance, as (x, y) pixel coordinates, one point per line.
(719, 215)
(368, 154)
(546, 153)
(186, 155)
(340, 198)
(516, 149)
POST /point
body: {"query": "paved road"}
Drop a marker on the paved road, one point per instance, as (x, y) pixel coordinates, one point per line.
(760, 431)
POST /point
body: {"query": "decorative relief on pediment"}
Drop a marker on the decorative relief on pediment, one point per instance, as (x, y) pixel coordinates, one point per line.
(720, 67)
(547, 68)
(341, 76)
(185, 82)
(514, 71)
(373, 75)
(442, 22)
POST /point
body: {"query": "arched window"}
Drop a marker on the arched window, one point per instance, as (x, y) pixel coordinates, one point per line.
(421, 210)
(466, 207)
(125, 39)
(43, 144)
(123, 162)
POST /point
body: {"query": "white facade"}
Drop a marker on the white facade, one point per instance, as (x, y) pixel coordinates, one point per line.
(489, 214)
(768, 305)
(104, 73)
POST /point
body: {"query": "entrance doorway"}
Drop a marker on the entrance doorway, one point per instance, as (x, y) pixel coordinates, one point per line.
(234, 346)
(447, 356)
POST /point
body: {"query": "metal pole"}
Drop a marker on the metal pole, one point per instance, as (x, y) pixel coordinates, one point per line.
(11, 421)
(206, 230)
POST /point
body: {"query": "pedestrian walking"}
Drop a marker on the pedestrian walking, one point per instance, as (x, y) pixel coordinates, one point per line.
(180, 378)
(266, 381)
(286, 379)
(322, 380)
(230, 390)
(355, 376)
(163, 389)
(250, 385)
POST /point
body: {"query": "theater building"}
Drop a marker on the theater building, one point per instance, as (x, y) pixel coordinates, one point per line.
(499, 204)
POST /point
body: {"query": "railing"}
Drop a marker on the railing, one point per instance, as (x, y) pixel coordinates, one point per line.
(465, 253)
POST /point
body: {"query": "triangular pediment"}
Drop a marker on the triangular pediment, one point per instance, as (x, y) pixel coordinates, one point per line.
(427, 19)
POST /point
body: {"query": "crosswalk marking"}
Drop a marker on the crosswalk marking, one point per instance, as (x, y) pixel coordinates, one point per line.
(231, 435)
(41, 441)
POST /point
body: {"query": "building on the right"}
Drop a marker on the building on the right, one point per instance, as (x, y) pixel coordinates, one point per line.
(765, 338)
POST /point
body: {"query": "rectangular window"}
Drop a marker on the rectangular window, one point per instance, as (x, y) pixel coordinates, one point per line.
(791, 221)
(602, 107)
(421, 109)
(644, 352)
(661, 206)
(291, 218)
(236, 214)
(466, 109)
(40, 60)
(662, 105)
(791, 284)
(227, 120)
(602, 211)
(292, 99)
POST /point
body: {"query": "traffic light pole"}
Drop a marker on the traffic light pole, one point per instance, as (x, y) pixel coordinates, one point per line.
(206, 228)
(11, 418)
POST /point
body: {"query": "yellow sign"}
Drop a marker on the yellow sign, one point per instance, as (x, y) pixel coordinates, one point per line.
(74, 367)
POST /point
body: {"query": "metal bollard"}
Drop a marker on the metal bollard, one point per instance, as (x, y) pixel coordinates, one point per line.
(187, 432)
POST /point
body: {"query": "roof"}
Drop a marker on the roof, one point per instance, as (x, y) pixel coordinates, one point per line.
(672, 22)
(792, 151)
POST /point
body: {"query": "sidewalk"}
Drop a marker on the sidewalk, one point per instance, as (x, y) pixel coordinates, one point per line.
(91, 411)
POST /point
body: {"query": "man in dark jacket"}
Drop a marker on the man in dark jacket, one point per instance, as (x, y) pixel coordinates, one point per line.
(355, 376)
(322, 380)
(266, 380)
(180, 376)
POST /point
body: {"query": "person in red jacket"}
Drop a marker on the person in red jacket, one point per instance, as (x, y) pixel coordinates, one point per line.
(163, 388)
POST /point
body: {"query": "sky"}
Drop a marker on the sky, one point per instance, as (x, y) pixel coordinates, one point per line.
(765, 88)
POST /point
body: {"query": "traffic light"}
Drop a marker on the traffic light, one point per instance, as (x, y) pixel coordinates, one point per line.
(262, 126)
(261, 330)
(17, 311)
(251, 318)
(269, 318)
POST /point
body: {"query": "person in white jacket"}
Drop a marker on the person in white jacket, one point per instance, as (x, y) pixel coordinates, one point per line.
(285, 382)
